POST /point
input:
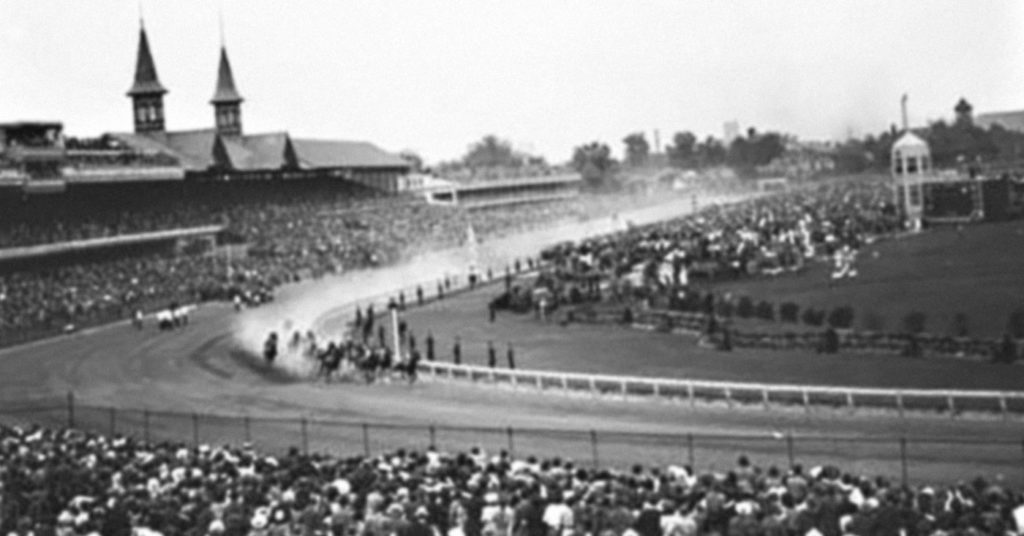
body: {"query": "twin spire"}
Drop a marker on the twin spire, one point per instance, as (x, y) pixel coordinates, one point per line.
(147, 94)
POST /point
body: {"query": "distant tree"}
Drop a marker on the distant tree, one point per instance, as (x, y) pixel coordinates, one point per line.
(841, 317)
(960, 327)
(914, 322)
(682, 151)
(1015, 324)
(710, 153)
(789, 312)
(594, 162)
(491, 151)
(852, 156)
(637, 149)
(415, 161)
(745, 307)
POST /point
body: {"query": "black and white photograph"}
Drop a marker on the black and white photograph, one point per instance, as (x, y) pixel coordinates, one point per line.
(564, 268)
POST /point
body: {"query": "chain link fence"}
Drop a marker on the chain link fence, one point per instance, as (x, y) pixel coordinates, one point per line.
(911, 459)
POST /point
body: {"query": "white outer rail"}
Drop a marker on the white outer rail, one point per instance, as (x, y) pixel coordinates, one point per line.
(727, 390)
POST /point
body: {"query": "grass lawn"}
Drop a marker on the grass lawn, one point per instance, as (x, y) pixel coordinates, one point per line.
(612, 349)
(978, 271)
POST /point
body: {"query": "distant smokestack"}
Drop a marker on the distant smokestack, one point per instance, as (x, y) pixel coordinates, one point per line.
(903, 107)
(657, 141)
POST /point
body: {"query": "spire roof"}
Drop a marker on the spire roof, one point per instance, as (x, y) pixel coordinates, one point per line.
(146, 81)
(225, 92)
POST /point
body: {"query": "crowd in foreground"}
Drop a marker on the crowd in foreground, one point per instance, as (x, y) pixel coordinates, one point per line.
(66, 482)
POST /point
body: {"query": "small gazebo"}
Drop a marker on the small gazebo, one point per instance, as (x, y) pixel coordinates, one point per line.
(911, 166)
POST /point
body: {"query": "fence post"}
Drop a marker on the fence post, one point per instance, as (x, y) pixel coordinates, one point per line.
(366, 440)
(71, 409)
(1002, 406)
(903, 460)
(657, 388)
(689, 393)
(689, 451)
(764, 397)
(789, 448)
(952, 406)
(899, 403)
(432, 432)
(728, 397)
(113, 421)
(593, 386)
(593, 447)
(145, 425)
(540, 382)
(248, 429)
(305, 434)
(849, 401)
(807, 401)
(625, 388)
(195, 429)
(511, 442)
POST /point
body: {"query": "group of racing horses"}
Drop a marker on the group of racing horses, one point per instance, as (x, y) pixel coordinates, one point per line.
(345, 360)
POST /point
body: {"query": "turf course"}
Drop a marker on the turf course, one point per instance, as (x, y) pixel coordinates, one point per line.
(977, 271)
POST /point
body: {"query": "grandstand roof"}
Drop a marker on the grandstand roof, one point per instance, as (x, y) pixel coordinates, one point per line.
(1008, 120)
(225, 93)
(259, 151)
(336, 153)
(198, 150)
(146, 80)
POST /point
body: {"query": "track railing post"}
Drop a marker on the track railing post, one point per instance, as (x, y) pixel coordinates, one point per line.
(593, 448)
(790, 454)
(903, 461)
(195, 429)
(366, 440)
(304, 428)
(71, 409)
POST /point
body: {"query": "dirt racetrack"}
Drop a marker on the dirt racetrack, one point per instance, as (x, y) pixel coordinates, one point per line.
(193, 384)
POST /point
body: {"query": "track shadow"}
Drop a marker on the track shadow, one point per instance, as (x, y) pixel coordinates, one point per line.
(257, 365)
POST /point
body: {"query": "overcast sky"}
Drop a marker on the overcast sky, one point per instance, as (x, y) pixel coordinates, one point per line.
(434, 76)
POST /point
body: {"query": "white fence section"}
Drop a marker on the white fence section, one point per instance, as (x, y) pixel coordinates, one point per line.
(741, 393)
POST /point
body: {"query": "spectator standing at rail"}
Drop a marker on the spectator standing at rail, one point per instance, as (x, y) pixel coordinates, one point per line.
(413, 365)
(270, 348)
(511, 355)
(419, 295)
(430, 346)
(492, 355)
(457, 351)
(492, 311)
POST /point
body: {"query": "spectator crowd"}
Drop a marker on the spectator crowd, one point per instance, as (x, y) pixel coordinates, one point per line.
(66, 482)
(763, 235)
(287, 233)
